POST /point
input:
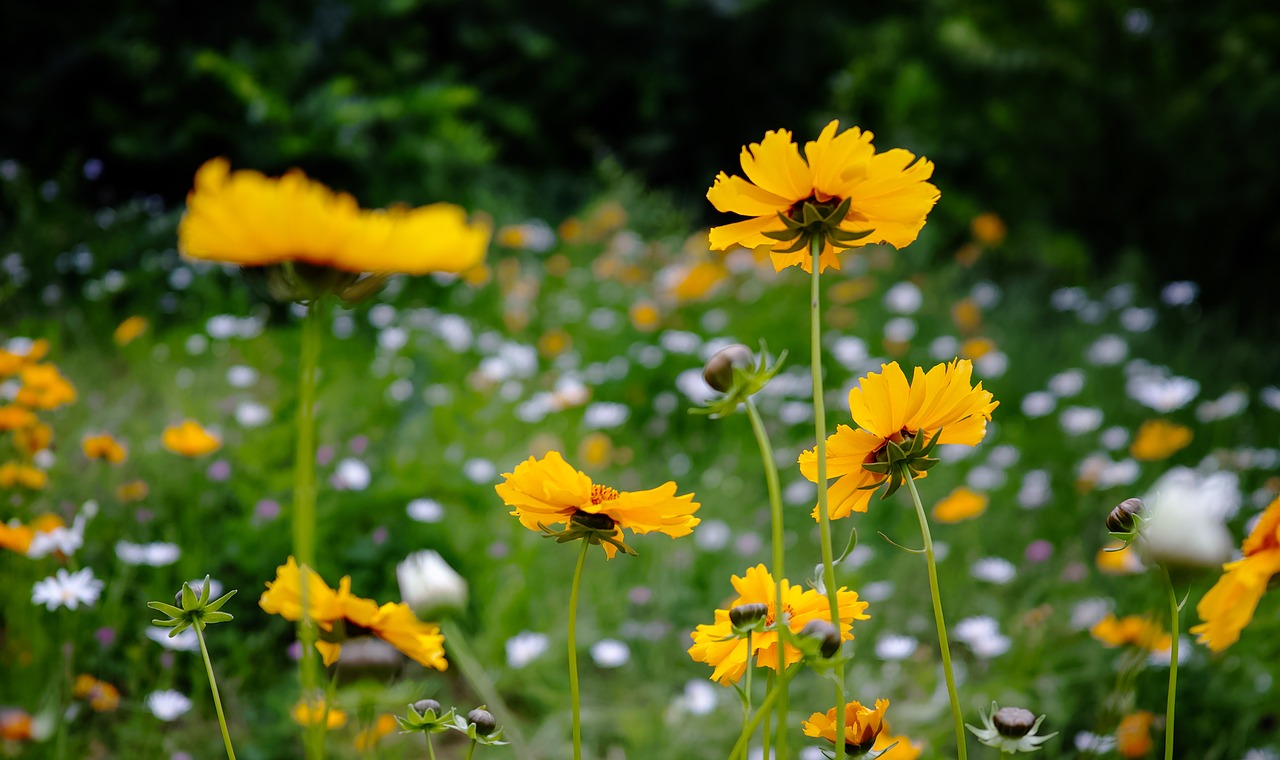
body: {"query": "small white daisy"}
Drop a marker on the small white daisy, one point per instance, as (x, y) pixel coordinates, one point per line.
(69, 590)
(167, 704)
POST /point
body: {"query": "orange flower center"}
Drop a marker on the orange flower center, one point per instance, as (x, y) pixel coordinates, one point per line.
(601, 494)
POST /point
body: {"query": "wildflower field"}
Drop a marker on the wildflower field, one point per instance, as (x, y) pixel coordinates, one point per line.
(285, 474)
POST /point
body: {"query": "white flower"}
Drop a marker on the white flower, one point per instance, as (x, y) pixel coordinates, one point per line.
(1077, 420)
(425, 510)
(1164, 394)
(903, 298)
(1185, 516)
(994, 570)
(1067, 383)
(251, 414)
(156, 554)
(524, 648)
(1038, 404)
(352, 475)
(610, 653)
(1107, 351)
(900, 329)
(1035, 490)
(891, 646)
(605, 414)
(69, 590)
(167, 704)
(61, 539)
(1180, 293)
(428, 583)
(186, 641)
(241, 376)
(699, 698)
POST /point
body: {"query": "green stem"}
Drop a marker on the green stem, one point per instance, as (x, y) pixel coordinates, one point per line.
(764, 728)
(956, 715)
(304, 511)
(217, 701)
(471, 750)
(779, 568)
(431, 751)
(820, 431)
(460, 652)
(740, 747)
(746, 683)
(64, 697)
(573, 652)
(1173, 665)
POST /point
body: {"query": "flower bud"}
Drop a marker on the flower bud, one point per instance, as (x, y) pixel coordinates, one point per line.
(483, 720)
(1121, 519)
(428, 583)
(718, 371)
(422, 706)
(824, 632)
(745, 616)
(1015, 722)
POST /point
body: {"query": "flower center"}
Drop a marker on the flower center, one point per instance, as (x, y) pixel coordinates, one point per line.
(592, 521)
(600, 494)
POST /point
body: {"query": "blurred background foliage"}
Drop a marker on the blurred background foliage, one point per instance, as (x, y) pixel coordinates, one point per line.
(1108, 132)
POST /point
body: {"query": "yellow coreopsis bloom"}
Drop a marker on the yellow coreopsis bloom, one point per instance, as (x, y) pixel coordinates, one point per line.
(960, 504)
(14, 417)
(902, 747)
(309, 713)
(103, 446)
(888, 194)
(549, 491)
(190, 439)
(1132, 630)
(18, 474)
(339, 612)
(12, 362)
(246, 218)
(939, 406)
(717, 646)
(44, 387)
(1159, 439)
(129, 330)
(1133, 735)
(861, 725)
(1229, 606)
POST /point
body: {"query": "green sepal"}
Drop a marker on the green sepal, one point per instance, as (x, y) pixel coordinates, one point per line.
(168, 609)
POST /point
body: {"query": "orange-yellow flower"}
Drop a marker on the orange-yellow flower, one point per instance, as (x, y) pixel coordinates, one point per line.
(1119, 558)
(310, 713)
(12, 362)
(717, 646)
(903, 748)
(130, 329)
(15, 724)
(14, 417)
(103, 446)
(1159, 439)
(1229, 606)
(339, 613)
(888, 192)
(102, 696)
(13, 474)
(1132, 630)
(33, 438)
(246, 218)
(887, 408)
(861, 725)
(17, 537)
(44, 387)
(988, 229)
(960, 504)
(190, 439)
(1133, 736)
(369, 737)
(132, 490)
(549, 491)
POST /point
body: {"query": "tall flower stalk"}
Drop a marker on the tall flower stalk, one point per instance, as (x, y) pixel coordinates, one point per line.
(213, 687)
(574, 693)
(1174, 610)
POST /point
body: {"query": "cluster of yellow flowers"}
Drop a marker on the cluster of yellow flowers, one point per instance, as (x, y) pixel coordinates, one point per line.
(41, 388)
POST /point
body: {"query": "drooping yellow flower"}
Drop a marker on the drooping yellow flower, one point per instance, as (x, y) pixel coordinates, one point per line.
(549, 491)
(246, 218)
(129, 330)
(339, 613)
(190, 439)
(311, 712)
(44, 387)
(1229, 606)
(1159, 439)
(960, 504)
(717, 646)
(1132, 630)
(861, 725)
(103, 446)
(1133, 735)
(887, 408)
(888, 192)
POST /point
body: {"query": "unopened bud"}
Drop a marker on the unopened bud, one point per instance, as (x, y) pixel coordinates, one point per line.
(824, 632)
(1016, 722)
(422, 706)
(1121, 519)
(483, 720)
(718, 371)
(745, 615)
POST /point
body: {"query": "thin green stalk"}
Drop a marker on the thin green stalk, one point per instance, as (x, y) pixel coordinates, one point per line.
(765, 727)
(217, 701)
(1173, 665)
(304, 511)
(460, 652)
(746, 683)
(64, 695)
(820, 430)
(431, 751)
(471, 750)
(956, 715)
(779, 567)
(740, 747)
(573, 652)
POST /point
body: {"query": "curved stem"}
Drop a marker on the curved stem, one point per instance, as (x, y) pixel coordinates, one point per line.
(740, 747)
(1173, 665)
(956, 715)
(779, 568)
(471, 750)
(824, 518)
(573, 652)
(217, 700)
(304, 510)
(460, 652)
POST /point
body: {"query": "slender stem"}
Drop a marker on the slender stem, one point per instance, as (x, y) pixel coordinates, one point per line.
(431, 751)
(1173, 665)
(764, 729)
(746, 682)
(956, 715)
(573, 652)
(461, 654)
(304, 510)
(60, 743)
(217, 700)
(471, 750)
(779, 567)
(740, 747)
(820, 431)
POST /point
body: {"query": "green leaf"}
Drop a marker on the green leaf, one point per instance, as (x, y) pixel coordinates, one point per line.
(167, 609)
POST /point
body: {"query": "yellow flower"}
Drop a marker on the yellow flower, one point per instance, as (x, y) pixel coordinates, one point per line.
(17, 537)
(14, 417)
(1229, 606)
(33, 438)
(44, 387)
(887, 409)
(960, 504)
(988, 229)
(132, 490)
(369, 737)
(976, 348)
(645, 316)
(554, 342)
(309, 713)
(904, 749)
(103, 446)
(246, 218)
(1133, 736)
(1133, 630)
(130, 329)
(190, 439)
(548, 491)
(102, 696)
(15, 724)
(335, 611)
(717, 646)
(14, 474)
(888, 193)
(1118, 558)
(861, 725)
(1159, 439)
(967, 315)
(11, 363)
